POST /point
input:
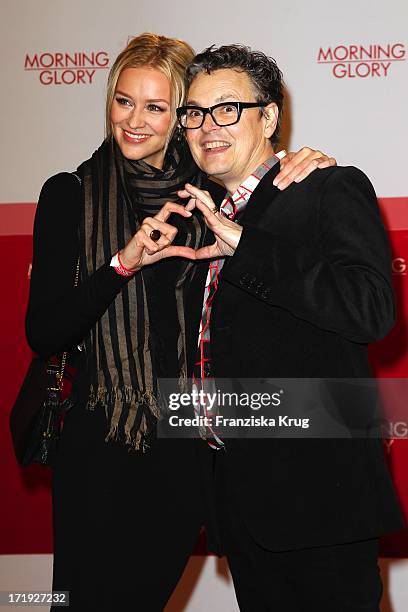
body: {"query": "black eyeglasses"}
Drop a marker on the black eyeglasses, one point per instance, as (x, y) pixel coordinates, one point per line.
(225, 113)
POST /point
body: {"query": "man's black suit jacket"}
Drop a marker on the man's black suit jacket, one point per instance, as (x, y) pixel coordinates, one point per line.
(307, 288)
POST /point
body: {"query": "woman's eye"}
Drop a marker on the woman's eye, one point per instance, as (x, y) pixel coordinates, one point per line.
(155, 108)
(123, 101)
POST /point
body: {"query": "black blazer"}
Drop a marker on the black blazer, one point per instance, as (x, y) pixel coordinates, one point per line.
(307, 288)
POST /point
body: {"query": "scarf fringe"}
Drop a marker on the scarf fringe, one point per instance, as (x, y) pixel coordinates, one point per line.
(126, 400)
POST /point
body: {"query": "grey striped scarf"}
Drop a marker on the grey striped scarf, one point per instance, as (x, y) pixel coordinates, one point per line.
(117, 195)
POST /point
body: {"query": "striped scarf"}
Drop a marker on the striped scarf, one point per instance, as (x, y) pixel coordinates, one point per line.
(117, 195)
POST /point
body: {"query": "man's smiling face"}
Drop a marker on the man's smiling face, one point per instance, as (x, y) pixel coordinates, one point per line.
(230, 153)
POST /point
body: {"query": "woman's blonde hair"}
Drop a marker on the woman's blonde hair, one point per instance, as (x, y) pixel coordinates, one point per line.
(169, 55)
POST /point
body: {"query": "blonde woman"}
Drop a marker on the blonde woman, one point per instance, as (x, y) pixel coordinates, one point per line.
(127, 507)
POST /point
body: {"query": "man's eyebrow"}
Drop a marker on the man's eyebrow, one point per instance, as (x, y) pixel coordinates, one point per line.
(228, 96)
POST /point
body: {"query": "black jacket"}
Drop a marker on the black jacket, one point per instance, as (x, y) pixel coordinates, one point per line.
(307, 288)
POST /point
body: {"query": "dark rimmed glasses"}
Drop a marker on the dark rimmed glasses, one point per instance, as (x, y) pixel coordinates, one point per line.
(223, 114)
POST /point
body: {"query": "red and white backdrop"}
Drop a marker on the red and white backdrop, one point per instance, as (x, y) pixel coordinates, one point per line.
(346, 71)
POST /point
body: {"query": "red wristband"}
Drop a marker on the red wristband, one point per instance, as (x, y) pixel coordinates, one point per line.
(119, 267)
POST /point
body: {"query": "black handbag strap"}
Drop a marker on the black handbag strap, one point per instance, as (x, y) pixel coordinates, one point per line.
(59, 373)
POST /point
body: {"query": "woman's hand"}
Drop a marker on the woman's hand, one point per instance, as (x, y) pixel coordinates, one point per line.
(141, 250)
(297, 166)
(227, 233)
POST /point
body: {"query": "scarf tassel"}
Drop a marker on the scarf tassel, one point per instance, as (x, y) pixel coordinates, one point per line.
(133, 430)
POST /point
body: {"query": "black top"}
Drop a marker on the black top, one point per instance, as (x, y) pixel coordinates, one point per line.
(59, 315)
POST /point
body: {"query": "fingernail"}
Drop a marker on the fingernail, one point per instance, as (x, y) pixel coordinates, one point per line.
(188, 213)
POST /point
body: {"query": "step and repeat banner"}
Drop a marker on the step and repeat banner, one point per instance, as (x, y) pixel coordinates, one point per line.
(346, 73)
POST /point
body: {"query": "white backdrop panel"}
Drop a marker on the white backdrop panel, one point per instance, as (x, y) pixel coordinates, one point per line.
(49, 128)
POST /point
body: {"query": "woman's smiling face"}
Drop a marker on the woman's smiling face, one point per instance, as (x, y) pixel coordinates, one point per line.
(141, 115)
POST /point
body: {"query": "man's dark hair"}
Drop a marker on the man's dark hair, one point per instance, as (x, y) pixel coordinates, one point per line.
(263, 71)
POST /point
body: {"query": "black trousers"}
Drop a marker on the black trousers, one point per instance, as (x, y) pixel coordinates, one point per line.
(341, 578)
(125, 523)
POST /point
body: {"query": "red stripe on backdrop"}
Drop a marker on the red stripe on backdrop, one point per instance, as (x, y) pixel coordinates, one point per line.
(25, 511)
(394, 212)
(389, 359)
(17, 219)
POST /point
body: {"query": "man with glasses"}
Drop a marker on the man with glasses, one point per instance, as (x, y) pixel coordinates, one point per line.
(298, 284)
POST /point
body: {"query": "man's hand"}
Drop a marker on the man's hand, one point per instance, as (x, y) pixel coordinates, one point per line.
(227, 233)
(297, 166)
(141, 250)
